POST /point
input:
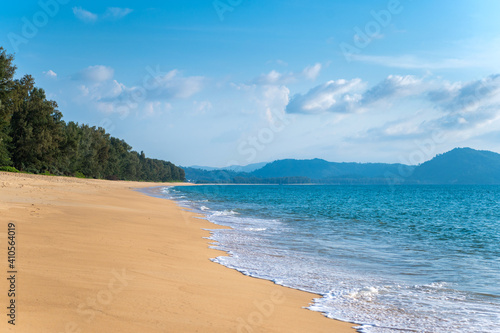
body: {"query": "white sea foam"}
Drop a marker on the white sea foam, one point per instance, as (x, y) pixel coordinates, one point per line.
(367, 294)
(255, 229)
(226, 212)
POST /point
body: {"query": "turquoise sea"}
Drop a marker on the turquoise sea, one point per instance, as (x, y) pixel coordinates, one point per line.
(389, 258)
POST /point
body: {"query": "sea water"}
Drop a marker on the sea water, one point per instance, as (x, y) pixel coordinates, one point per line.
(389, 258)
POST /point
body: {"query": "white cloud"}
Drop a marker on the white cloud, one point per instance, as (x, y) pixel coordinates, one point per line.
(150, 107)
(398, 129)
(412, 62)
(281, 62)
(155, 108)
(84, 15)
(173, 85)
(109, 95)
(312, 72)
(202, 107)
(117, 13)
(267, 102)
(405, 109)
(463, 110)
(470, 95)
(343, 96)
(84, 90)
(50, 73)
(394, 86)
(468, 53)
(468, 105)
(96, 73)
(274, 100)
(112, 13)
(106, 107)
(333, 96)
(276, 78)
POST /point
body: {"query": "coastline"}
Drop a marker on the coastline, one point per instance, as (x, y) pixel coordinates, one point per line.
(94, 255)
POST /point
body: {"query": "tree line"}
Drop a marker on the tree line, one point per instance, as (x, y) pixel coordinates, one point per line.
(35, 139)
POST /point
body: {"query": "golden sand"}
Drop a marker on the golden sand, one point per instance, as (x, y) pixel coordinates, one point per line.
(96, 256)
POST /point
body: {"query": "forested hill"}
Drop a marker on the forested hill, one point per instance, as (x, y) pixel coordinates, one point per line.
(34, 138)
(321, 169)
(460, 166)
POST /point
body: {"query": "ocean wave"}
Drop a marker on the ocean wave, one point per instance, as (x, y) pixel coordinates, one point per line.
(226, 212)
(255, 229)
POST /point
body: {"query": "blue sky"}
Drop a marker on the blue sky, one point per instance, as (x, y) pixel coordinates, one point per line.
(237, 82)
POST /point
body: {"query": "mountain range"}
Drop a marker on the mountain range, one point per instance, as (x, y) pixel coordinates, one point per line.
(458, 166)
(237, 168)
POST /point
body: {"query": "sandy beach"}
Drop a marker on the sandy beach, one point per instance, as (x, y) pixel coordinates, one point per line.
(97, 256)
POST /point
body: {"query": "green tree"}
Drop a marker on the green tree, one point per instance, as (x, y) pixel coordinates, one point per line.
(7, 71)
(67, 162)
(36, 128)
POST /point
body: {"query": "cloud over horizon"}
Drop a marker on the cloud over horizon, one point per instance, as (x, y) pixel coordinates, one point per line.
(461, 109)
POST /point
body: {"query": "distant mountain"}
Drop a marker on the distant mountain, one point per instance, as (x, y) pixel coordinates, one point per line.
(246, 168)
(321, 169)
(237, 168)
(460, 166)
(201, 167)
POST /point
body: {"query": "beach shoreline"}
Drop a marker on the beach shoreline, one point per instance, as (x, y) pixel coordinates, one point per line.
(97, 256)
